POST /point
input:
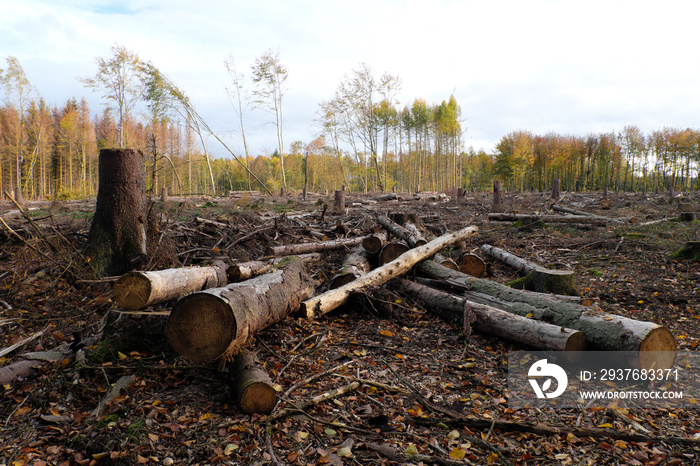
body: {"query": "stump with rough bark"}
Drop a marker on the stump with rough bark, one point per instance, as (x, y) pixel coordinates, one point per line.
(118, 232)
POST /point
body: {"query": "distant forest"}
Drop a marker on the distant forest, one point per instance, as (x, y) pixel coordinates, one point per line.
(367, 141)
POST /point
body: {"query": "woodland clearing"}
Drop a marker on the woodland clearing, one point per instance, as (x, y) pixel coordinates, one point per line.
(417, 391)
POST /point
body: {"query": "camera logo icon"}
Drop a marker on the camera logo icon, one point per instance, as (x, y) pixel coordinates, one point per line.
(548, 372)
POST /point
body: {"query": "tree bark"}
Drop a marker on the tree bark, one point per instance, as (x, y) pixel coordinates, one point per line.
(495, 321)
(604, 331)
(305, 248)
(326, 302)
(253, 388)
(219, 322)
(136, 290)
(118, 232)
(537, 278)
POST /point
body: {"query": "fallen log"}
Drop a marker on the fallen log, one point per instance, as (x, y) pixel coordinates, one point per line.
(305, 248)
(331, 299)
(355, 265)
(494, 321)
(412, 238)
(471, 264)
(390, 251)
(253, 388)
(136, 290)
(606, 332)
(509, 217)
(217, 323)
(537, 278)
(445, 261)
(373, 243)
(245, 270)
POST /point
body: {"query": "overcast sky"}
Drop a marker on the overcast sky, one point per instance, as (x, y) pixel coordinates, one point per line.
(567, 66)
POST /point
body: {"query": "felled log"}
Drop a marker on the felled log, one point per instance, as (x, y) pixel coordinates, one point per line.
(445, 261)
(412, 238)
(245, 270)
(219, 322)
(305, 248)
(355, 265)
(253, 388)
(604, 331)
(537, 278)
(331, 299)
(136, 290)
(510, 217)
(373, 243)
(390, 251)
(471, 264)
(494, 321)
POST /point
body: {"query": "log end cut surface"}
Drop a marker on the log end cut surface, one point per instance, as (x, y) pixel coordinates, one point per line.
(658, 349)
(258, 397)
(201, 327)
(577, 341)
(132, 291)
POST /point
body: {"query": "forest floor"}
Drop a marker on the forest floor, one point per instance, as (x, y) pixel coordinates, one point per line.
(425, 395)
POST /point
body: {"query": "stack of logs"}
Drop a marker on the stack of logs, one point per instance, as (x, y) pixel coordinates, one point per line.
(220, 308)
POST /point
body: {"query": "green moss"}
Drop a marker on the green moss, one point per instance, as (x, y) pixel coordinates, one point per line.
(595, 272)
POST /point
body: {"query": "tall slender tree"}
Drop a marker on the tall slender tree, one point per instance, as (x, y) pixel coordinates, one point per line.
(119, 79)
(270, 76)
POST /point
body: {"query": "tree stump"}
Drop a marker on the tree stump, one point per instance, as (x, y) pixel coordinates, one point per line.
(118, 232)
(339, 201)
(497, 193)
(555, 189)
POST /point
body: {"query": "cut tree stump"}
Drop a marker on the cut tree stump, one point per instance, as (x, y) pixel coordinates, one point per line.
(606, 332)
(219, 322)
(136, 290)
(332, 299)
(118, 232)
(537, 278)
(494, 321)
(253, 388)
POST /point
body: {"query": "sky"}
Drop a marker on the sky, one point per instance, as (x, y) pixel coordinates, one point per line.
(565, 66)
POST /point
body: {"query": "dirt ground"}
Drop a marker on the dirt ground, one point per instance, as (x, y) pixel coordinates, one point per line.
(422, 393)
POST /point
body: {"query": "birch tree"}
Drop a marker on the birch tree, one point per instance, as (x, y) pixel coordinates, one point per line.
(270, 76)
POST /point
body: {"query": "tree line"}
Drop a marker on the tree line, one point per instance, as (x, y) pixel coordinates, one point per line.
(367, 140)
